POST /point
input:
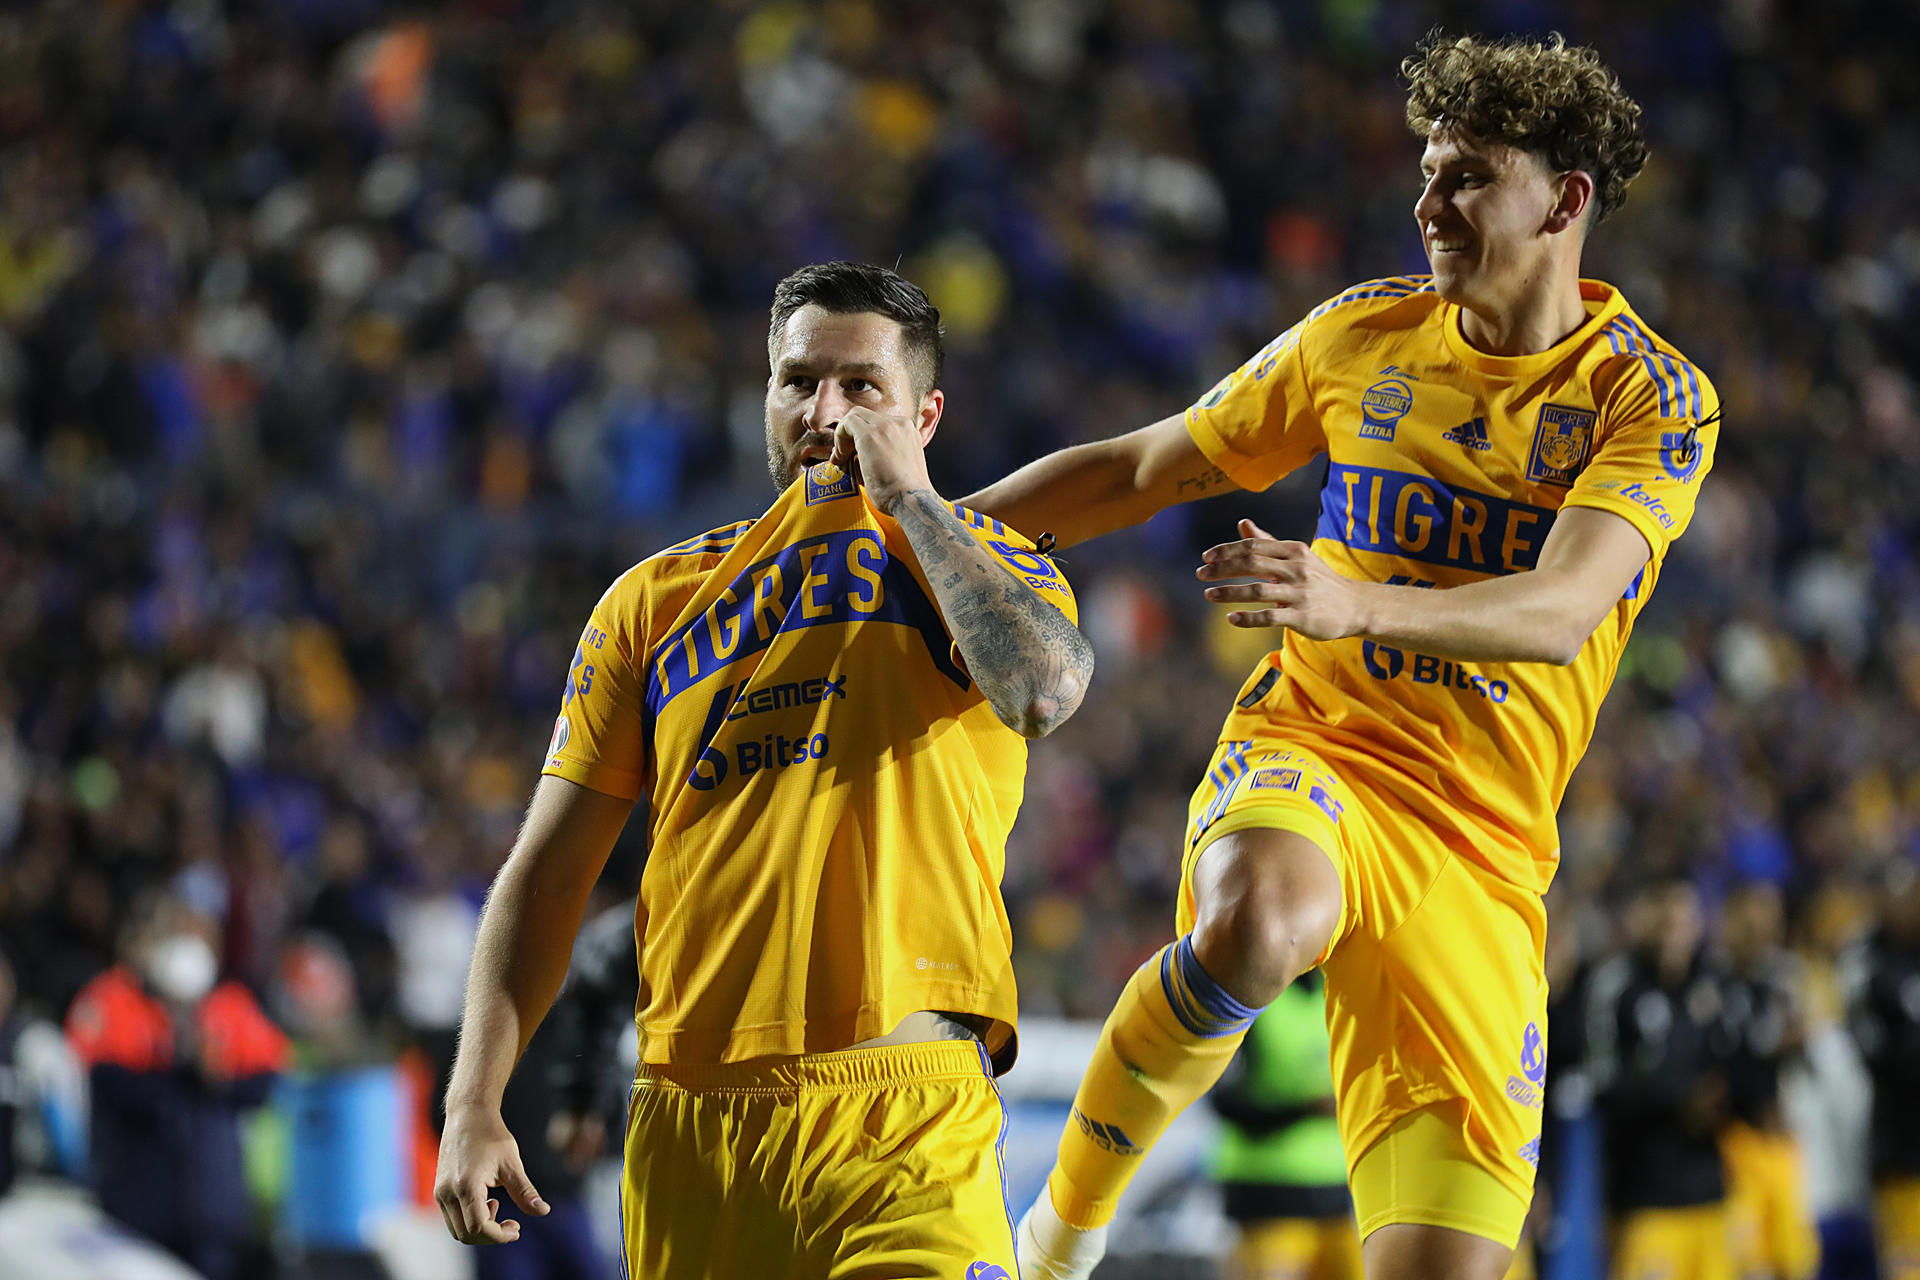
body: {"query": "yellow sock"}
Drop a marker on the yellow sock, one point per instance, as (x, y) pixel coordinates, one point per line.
(1168, 1039)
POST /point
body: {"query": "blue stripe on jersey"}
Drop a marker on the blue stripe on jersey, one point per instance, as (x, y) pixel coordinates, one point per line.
(1224, 776)
(1392, 287)
(1624, 342)
(1686, 399)
(1416, 517)
(833, 578)
(1441, 525)
(974, 518)
(720, 539)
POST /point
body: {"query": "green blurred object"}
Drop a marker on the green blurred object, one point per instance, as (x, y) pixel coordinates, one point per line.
(263, 1159)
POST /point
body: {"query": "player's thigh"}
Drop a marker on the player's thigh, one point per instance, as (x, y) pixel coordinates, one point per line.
(910, 1183)
(1422, 1251)
(700, 1194)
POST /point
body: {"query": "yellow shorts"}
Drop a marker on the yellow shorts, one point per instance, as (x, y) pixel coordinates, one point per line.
(1896, 1211)
(869, 1163)
(1772, 1229)
(1297, 1249)
(1672, 1244)
(1436, 990)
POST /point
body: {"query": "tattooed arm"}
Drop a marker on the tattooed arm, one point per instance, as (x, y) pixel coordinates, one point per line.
(1030, 662)
(1091, 489)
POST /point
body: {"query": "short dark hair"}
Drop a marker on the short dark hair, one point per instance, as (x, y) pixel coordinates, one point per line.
(843, 288)
(1558, 101)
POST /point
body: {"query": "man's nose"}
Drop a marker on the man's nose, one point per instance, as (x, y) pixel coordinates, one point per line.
(1429, 203)
(828, 406)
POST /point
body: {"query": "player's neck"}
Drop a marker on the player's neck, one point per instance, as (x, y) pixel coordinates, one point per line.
(1545, 312)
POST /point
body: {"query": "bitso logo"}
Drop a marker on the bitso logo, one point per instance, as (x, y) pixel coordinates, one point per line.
(1381, 408)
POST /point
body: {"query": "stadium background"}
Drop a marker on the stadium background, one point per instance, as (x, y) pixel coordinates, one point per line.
(348, 350)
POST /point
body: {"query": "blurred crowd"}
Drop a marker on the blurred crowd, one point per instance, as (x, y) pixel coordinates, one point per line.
(348, 349)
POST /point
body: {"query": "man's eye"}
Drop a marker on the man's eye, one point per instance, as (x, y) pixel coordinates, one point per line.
(859, 384)
(799, 380)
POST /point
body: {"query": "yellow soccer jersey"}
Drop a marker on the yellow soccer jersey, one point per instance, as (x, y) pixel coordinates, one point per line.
(828, 793)
(1447, 466)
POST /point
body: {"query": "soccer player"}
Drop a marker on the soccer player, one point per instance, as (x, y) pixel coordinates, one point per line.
(1511, 452)
(824, 710)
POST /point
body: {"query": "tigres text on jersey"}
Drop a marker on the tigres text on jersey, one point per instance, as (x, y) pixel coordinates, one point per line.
(1447, 466)
(828, 793)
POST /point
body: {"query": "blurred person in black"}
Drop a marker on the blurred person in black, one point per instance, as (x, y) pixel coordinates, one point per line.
(174, 1056)
(1658, 1050)
(1278, 1161)
(1773, 1230)
(1884, 1008)
(11, 1093)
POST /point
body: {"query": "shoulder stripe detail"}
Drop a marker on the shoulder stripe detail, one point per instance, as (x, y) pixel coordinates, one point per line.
(1673, 365)
(1673, 377)
(974, 518)
(1391, 287)
(1679, 385)
(713, 540)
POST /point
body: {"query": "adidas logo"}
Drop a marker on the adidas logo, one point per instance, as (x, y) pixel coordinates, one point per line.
(1107, 1136)
(1472, 434)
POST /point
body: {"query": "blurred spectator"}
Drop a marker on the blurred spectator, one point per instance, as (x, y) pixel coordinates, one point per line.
(1658, 1052)
(173, 1058)
(1279, 1161)
(12, 1087)
(1764, 1002)
(1886, 1020)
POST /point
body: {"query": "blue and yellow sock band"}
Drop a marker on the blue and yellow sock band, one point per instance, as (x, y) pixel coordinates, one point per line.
(1202, 1005)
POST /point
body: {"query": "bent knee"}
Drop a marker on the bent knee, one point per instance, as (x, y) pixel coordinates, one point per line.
(1268, 903)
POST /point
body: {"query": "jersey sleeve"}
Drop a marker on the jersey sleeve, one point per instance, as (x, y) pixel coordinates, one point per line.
(1657, 445)
(600, 736)
(1020, 558)
(1258, 423)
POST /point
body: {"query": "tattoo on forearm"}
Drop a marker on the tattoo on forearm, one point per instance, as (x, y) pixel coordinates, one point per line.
(1213, 478)
(1030, 662)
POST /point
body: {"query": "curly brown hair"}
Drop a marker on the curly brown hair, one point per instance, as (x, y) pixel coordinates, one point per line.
(1561, 103)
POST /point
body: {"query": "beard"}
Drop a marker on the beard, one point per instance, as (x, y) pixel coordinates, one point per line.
(784, 463)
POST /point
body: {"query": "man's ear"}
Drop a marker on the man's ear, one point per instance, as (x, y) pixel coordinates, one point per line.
(1574, 194)
(931, 406)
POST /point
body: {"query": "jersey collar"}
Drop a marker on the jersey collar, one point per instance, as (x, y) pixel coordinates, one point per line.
(1603, 303)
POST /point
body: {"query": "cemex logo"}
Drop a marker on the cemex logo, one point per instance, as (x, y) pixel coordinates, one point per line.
(988, 1271)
